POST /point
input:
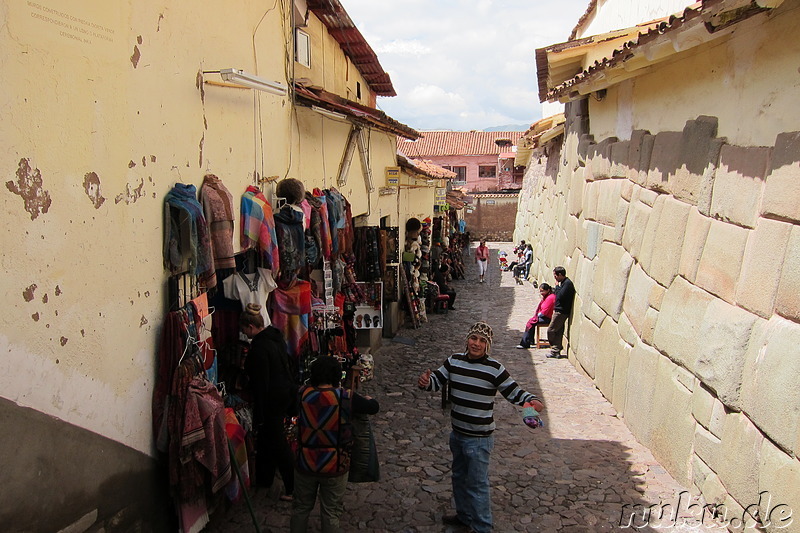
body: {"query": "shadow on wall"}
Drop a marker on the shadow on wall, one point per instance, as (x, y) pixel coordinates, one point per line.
(73, 476)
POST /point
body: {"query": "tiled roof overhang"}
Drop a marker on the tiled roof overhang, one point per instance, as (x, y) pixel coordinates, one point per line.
(344, 31)
(360, 114)
(561, 68)
(424, 168)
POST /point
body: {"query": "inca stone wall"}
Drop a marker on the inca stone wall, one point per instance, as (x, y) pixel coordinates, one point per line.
(685, 253)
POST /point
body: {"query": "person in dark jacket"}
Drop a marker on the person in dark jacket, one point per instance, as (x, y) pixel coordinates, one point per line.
(322, 462)
(274, 393)
(440, 278)
(565, 294)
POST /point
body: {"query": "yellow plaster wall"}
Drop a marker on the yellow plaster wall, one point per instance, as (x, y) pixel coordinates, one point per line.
(757, 75)
(114, 91)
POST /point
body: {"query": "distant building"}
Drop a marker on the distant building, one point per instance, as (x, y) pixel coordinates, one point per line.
(482, 161)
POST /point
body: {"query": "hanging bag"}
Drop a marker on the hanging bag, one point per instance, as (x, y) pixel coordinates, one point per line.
(364, 466)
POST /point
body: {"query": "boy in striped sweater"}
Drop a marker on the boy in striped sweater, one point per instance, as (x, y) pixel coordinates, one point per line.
(474, 378)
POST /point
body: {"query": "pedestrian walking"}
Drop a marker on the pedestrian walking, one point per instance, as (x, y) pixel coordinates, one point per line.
(474, 378)
(482, 259)
(323, 459)
(565, 294)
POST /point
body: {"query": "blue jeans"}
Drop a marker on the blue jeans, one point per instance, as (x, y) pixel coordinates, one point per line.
(471, 489)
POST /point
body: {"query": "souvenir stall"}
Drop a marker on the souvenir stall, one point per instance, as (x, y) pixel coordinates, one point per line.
(313, 279)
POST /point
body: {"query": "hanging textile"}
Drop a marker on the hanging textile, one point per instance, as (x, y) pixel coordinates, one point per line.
(258, 227)
(217, 204)
(290, 311)
(291, 241)
(251, 289)
(325, 226)
(187, 246)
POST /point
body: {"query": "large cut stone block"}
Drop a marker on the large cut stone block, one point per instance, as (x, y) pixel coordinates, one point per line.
(702, 405)
(740, 457)
(593, 236)
(599, 164)
(698, 152)
(770, 391)
(642, 372)
(723, 338)
(782, 191)
(649, 241)
(619, 223)
(787, 300)
(611, 278)
(694, 241)
(620, 387)
(576, 191)
(665, 160)
(609, 345)
(589, 339)
(626, 331)
(778, 480)
(618, 155)
(674, 426)
(721, 261)
(677, 332)
(663, 261)
(761, 269)
(590, 197)
(608, 201)
(649, 328)
(635, 225)
(639, 156)
(738, 184)
(637, 297)
(707, 447)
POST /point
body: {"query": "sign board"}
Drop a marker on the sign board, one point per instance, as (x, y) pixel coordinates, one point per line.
(392, 176)
(489, 202)
(440, 198)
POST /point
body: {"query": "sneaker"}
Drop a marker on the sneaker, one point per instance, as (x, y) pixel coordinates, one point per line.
(521, 347)
(453, 520)
(552, 355)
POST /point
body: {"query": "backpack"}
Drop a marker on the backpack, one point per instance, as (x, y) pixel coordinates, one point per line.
(324, 431)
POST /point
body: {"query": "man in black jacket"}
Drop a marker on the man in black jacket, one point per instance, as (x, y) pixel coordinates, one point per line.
(565, 293)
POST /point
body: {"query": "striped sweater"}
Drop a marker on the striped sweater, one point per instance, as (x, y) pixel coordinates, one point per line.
(473, 386)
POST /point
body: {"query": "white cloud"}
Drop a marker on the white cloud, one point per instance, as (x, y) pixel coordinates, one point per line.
(460, 64)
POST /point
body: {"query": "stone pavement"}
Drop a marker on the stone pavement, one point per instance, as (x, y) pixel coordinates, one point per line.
(573, 475)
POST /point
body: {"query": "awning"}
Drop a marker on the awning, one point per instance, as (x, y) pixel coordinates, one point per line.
(571, 70)
(539, 133)
(358, 113)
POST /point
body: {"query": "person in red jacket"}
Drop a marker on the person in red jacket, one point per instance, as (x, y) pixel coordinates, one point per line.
(543, 314)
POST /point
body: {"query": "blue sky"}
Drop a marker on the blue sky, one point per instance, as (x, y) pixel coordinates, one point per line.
(463, 64)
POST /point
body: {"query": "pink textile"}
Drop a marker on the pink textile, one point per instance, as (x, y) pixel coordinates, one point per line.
(290, 311)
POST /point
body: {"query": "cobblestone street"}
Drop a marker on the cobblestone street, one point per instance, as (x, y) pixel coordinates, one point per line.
(575, 474)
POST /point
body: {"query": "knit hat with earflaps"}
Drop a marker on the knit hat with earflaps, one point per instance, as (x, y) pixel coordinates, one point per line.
(482, 329)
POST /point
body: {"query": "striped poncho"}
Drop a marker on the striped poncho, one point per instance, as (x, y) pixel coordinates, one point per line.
(473, 386)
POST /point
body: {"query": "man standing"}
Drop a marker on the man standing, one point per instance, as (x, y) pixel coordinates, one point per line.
(565, 293)
(482, 259)
(474, 379)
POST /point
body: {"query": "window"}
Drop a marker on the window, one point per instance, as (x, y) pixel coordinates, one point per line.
(487, 171)
(358, 90)
(461, 173)
(302, 47)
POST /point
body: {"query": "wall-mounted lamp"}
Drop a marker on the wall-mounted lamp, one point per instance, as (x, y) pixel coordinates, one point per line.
(240, 77)
(327, 113)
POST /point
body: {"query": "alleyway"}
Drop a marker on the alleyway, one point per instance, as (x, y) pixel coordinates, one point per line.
(575, 474)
